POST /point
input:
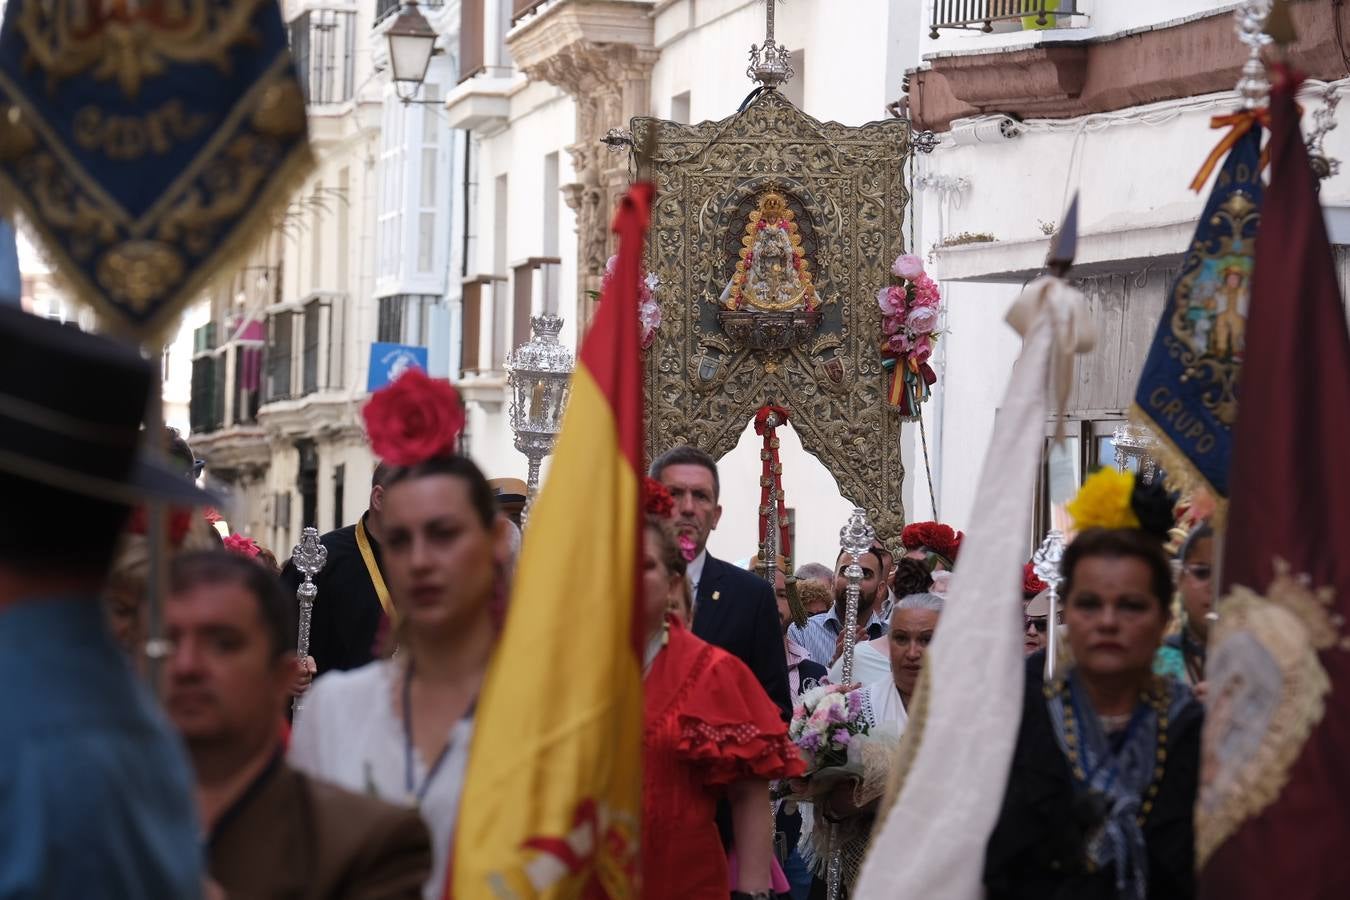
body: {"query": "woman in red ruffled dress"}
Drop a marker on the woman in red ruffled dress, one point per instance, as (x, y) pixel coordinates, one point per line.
(709, 731)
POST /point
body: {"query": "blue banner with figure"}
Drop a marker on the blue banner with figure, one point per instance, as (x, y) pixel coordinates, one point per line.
(148, 142)
(1187, 394)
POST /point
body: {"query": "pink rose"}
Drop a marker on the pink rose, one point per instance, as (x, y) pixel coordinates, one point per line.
(923, 319)
(892, 324)
(907, 266)
(923, 349)
(884, 302)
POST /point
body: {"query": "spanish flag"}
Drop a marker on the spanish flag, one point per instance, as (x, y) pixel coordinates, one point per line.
(553, 794)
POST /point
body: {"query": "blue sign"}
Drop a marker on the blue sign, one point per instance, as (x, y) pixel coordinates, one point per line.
(388, 361)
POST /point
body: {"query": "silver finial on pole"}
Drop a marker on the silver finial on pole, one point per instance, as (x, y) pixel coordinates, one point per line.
(309, 557)
(770, 62)
(1253, 86)
(1046, 563)
(540, 374)
(855, 538)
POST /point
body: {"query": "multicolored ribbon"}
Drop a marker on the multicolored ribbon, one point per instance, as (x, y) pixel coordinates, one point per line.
(1238, 124)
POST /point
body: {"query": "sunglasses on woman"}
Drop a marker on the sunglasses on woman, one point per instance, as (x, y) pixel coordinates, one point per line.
(1040, 623)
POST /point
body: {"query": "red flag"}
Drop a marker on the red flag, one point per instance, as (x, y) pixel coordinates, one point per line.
(1273, 815)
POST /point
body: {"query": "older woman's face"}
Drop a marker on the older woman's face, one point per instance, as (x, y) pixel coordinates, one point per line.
(911, 632)
(1115, 623)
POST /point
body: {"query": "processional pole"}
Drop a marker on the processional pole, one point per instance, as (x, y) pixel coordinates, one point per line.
(855, 539)
(309, 557)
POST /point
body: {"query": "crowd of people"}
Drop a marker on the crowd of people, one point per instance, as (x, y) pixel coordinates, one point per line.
(250, 777)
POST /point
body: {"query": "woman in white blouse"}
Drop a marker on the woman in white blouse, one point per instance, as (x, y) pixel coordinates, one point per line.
(399, 729)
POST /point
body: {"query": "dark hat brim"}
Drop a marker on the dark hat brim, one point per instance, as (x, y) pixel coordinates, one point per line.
(147, 480)
(510, 498)
(154, 481)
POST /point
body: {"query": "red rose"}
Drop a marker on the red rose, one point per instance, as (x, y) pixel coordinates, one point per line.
(656, 499)
(414, 419)
(933, 536)
(1031, 585)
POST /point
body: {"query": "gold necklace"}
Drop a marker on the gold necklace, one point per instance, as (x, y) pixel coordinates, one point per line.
(1157, 697)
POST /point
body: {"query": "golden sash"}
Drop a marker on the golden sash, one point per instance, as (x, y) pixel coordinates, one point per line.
(363, 543)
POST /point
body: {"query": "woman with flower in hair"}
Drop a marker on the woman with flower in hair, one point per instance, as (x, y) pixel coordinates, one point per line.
(1100, 796)
(709, 732)
(400, 728)
(932, 543)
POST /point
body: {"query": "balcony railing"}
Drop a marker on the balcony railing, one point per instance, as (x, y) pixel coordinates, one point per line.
(216, 402)
(323, 43)
(386, 8)
(982, 14)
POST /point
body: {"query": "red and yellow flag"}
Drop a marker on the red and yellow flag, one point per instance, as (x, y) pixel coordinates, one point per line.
(553, 794)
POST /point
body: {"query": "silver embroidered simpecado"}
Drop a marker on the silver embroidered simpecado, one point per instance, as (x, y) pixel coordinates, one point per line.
(308, 557)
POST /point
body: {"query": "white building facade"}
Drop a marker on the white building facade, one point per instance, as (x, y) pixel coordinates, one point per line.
(1112, 103)
(450, 221)
(362, 253)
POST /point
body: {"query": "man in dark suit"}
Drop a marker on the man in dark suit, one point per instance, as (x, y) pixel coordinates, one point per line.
(353, 598)
(733, 608)
(271, 831)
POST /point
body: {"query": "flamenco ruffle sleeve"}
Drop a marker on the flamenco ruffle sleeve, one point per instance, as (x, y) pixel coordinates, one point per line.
(730, 729)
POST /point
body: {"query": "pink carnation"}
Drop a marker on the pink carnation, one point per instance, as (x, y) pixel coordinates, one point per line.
(891, 301)
(926, 292)
(892, 324)
(907, 266)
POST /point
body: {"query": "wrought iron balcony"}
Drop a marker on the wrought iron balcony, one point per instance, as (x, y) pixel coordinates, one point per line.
(982, 14)
(386, 8)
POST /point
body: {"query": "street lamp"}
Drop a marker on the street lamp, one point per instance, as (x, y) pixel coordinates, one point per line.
(412, 41)
(540, 375)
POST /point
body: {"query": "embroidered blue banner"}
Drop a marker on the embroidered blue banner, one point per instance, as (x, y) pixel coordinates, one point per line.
(1187, 391)
(148, 141)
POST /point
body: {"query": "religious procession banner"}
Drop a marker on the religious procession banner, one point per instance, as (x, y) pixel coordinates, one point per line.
(553, 793)
(1270, 818)
(1187, 394)
(146, 142)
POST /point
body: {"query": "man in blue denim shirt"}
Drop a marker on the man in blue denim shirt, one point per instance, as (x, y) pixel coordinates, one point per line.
(95, 792)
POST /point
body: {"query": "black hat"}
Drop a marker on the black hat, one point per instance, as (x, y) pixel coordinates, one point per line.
(71, 406)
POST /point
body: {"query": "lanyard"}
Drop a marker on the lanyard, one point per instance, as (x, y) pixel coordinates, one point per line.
(373, 568)
(418, 794)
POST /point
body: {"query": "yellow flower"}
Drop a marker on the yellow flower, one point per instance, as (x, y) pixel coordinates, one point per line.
(1104, 501)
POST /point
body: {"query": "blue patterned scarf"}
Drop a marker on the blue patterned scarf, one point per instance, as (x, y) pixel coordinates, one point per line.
(1119, 769)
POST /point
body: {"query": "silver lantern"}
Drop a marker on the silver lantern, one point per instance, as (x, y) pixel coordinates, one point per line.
(540, 375)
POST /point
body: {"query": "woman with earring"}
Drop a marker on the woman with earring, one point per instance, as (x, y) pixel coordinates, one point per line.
(1100, 798)
(400, 728)
(709, 731)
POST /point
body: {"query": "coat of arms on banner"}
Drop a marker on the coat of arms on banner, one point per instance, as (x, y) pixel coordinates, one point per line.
(146, 140)
(1187, 392)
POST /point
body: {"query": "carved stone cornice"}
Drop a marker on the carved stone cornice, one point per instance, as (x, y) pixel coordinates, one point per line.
(601, 53)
